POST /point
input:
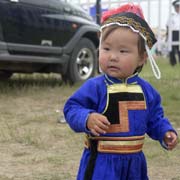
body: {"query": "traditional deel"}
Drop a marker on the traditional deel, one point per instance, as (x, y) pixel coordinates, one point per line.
(119, 150)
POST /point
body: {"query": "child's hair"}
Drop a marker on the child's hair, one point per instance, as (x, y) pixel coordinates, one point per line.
(107, 31)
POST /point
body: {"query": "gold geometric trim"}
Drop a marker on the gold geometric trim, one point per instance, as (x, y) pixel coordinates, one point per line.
(121, 143)
(124, 106)
(120, 146)
(124, 145)
(113, 138)
(124, 88)
(134, 24)
(119, 149)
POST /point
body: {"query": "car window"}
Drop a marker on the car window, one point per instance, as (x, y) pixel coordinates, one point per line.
(44, 3)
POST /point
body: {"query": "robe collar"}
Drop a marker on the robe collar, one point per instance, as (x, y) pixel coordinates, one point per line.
(130, 80)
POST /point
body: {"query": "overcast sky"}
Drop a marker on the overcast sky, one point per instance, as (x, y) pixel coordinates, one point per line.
(157, 7)
(158, 13)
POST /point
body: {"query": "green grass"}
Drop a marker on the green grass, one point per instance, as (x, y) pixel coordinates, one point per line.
(35, 146)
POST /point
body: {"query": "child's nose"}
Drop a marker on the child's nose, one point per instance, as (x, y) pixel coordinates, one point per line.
(113, 57)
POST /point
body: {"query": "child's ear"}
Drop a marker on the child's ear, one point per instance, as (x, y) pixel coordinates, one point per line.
(143, 58)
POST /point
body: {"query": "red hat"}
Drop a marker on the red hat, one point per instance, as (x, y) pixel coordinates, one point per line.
(130, 15)
(136, 9)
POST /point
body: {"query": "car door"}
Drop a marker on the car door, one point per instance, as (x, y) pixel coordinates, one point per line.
(33, 23)
(8, 19)
(40, 25)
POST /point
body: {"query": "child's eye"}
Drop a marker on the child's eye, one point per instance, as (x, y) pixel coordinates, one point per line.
(124, 51)
(106, 48)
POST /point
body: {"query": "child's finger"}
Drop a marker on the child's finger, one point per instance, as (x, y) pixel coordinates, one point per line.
(93, 131)
(104, 120)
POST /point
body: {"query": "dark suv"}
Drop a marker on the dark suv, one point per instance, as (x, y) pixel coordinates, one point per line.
(47, 36)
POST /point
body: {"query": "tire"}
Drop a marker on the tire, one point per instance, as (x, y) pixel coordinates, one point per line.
(5, 75)
(83, 63)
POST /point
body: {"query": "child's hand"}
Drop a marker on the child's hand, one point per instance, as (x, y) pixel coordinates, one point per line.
(170, 140)
(97, 124)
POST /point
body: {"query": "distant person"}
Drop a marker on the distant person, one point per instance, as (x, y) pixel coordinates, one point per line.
(117, 108)
(173, 33)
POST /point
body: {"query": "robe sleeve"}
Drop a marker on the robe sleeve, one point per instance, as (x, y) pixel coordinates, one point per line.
(78, 107)
(157, 124)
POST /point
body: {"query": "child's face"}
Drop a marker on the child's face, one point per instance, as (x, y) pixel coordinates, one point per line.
(118, 53)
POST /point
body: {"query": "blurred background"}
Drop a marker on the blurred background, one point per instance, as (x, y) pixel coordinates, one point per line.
(156, 13)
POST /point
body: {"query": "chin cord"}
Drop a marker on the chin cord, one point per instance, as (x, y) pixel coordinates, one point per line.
(154, 66)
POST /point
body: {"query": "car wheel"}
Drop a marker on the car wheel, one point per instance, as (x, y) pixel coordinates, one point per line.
(83, 61)
(5, 75)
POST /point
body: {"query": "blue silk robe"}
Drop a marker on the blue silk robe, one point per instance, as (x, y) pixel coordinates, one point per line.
(92, 96)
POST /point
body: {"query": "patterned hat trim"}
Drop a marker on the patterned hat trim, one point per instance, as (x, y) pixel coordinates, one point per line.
(136, 26)
(124, 25)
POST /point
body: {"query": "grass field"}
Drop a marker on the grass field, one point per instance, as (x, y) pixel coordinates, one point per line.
(35, 146)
